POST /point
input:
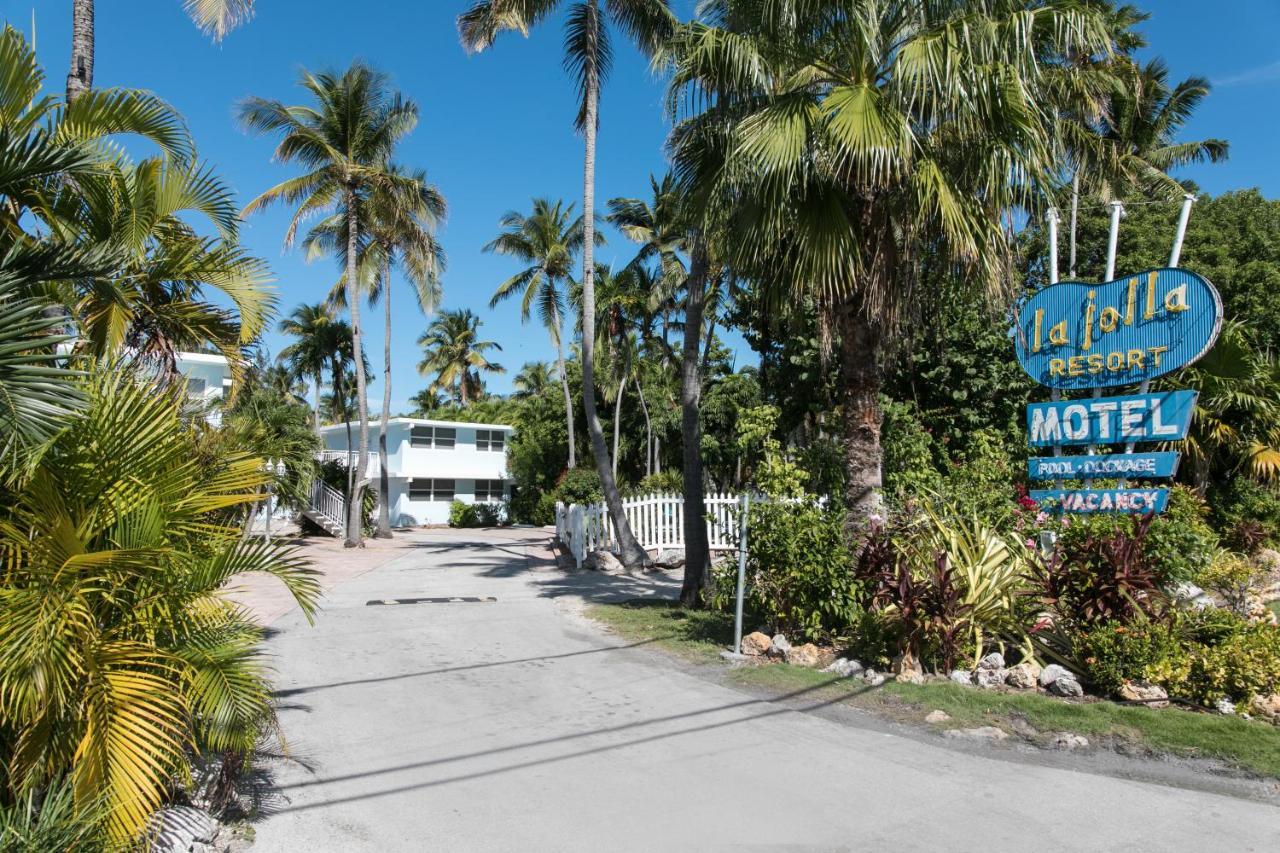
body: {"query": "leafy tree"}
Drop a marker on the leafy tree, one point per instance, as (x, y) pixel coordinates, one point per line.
(346, 142)
(588, 56)
(535, 378)
(548, 239)
(849, 145)
(316, 338)
(454, 352)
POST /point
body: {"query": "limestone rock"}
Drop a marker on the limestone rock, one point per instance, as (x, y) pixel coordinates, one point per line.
(1066, 685)
(1225, 706)
(990, 734)
(873, 678)
(989, 679)
(603, 561)
(1153, 695)
(806, 655)
(1052, 673)
(995, 660)
(779, 646)
(1189, 593)
(179, 829)
(1022, 676)
(755, 644)
(1267, 706)
(907, 669)
(843, 668)
(1069, 741)
(936, 717)
(961, 676)
(669, 559)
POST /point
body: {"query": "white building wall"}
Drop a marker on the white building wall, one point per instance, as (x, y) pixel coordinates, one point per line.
(463, 463)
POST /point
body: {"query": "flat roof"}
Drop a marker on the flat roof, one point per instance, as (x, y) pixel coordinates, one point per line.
(201, 358)
(373, 422)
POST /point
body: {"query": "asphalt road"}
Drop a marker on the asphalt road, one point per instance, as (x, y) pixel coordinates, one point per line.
(512, 725)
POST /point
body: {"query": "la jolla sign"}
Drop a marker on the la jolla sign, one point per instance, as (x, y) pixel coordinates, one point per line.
(1074, 336)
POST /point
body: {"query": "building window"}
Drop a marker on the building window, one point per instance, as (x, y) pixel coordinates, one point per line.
(431, 490)
(196, 386)
(488, 490)
(442, 438)
(489, 439)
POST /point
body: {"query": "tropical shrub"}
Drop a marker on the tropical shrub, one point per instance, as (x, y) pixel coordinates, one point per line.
(799, 571)
(1147, 650)
(52, 820)
(529, 506)
(490, 514)
(119, 650)
(908, 454)
(1243, 499)
(463, 514)
(668, 482)
(1235, 578)
(1243, 665)
(579, 486)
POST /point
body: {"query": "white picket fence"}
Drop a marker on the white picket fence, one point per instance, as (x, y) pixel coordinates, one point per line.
(657, 521)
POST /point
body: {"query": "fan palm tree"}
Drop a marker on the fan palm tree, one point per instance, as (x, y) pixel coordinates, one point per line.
(534, 379)
(589, 57)
(547, 239)
(315, 334)
(403, 217)
(215, 17)
(121, 649)
(346, 142)
(454, 353)
(848, 145)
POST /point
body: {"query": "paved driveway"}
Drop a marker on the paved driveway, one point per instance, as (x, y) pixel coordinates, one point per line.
(465, 725)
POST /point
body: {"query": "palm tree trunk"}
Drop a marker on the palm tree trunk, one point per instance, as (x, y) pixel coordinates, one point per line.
(859, 350)
(355, 513)
(1075, 214)
(319, 380)
(648, 429)
(568, 395)
(384, 483)
(617, 423)
(697, 576)
(711, 337)
(630, 552)
(80, 76)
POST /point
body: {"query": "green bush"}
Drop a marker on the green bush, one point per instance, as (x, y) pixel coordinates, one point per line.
(799, 570)
(670, 481)
(1142, 650)
(1242, 499)
(909, 468)
(823, 461)
(463, 515)
(579, 486)
(529, 506)
(489, 514)
(1244, 665)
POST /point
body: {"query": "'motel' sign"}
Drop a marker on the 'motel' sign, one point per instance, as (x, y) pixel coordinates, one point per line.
(1077, 336)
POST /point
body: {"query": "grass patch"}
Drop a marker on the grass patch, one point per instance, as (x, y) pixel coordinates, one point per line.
(700, 636)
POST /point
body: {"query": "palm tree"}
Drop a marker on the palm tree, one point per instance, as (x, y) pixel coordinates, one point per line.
(314, 331)
(403, 217)
(547, 240)
(588, 56)
(534, 379)
(659, 226)
(456, 355)
(122, 652)
(345, 142)
(215, 17)
(847, 147)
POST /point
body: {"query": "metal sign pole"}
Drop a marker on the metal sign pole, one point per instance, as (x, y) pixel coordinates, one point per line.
(1113, 239)
(1055, 395)
(744, 504)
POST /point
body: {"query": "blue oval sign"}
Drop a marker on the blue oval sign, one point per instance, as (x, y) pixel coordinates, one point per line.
(1074, 335)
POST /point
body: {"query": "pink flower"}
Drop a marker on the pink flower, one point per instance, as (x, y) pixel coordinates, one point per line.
(1031, 544)
(1042, 517)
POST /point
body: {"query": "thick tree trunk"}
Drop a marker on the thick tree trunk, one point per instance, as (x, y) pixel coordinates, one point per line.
(355, 514)
(697, 571)
(860, 369)
(80, 76)
(630, 552)
(568, 396)
(384, 482)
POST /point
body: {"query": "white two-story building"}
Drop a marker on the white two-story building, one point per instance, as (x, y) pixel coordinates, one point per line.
(430, 464)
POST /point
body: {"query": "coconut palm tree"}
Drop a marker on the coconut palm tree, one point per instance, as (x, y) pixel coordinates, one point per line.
(849, 145)
(534, 379)
(403, 217)
(314, 332)
(547, 239)
(589, 57)
(454, 352)
(215, 17)
(345, 142)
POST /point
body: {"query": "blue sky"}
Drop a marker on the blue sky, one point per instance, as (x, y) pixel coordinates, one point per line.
(496, 128)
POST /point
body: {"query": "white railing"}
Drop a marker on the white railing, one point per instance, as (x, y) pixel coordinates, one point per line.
(342, 457)
(329, 502)
(656, 520)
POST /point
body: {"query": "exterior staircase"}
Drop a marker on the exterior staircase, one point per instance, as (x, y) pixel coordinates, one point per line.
(327, 509)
